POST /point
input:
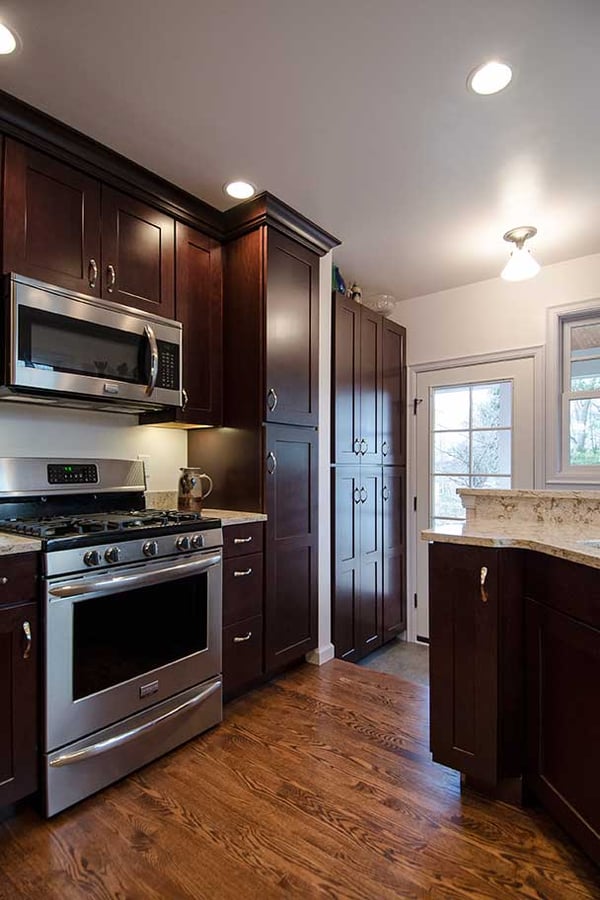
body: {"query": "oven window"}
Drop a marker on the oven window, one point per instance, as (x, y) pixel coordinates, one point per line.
(65, 344)
(119, 637)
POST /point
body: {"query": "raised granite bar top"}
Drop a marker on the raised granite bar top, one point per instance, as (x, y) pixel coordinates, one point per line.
(14, 543)
(234, 516)
(559, 523)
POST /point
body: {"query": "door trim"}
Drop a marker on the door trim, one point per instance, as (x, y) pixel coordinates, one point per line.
(537, 354)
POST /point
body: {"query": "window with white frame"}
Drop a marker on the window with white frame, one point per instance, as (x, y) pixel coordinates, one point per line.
(574, 398)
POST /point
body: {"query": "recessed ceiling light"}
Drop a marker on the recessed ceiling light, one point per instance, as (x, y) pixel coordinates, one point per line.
(8, 40)
(490, 77)
(240, 190)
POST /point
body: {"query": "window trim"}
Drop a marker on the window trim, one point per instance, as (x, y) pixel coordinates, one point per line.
(560, 320)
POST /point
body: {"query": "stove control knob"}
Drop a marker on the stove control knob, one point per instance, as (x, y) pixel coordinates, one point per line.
(150, 548)
(112, 555)
(92, 558)
(197, 541)
(183, 543)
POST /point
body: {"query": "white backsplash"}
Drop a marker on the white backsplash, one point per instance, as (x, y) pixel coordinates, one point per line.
(27, 430)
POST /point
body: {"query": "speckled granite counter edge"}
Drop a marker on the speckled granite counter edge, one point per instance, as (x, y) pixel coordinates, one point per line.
(12, 543)
(234, 517)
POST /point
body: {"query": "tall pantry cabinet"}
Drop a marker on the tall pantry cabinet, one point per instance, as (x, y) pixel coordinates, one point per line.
(264, 459)
(368, 479)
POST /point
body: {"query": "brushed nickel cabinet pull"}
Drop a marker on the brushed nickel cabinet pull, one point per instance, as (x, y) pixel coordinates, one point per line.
(356, 446)
(242, 540)
(363, 499)
(92, 273)
(241, 574)
(4, 580)
(356, 495)
(273, 460)
(482, 578)
(386, 492)
(362, 441)
(240, 639)
(184, 394)
(27, 633)
(384, 448)
(111, 278)
(272, 399)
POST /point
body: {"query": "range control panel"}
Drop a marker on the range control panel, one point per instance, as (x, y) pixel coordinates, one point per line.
(73, 474)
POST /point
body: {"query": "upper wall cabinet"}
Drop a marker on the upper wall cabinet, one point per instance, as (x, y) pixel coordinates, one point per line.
(137, 254)
(51, 221)
(64, 227)
(393, 411)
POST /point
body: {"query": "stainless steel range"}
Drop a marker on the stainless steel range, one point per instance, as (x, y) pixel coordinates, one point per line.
(132, 610)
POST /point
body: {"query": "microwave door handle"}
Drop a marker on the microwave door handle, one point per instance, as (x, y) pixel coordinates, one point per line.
(149, 332)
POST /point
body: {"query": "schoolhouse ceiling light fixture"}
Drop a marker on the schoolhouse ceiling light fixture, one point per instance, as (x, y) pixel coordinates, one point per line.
(521, 264)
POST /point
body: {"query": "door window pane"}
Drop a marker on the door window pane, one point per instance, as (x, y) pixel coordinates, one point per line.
(471, 443)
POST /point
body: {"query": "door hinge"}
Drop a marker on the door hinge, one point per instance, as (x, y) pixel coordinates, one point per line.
(414, 504)
(416, 403)
(415, 601)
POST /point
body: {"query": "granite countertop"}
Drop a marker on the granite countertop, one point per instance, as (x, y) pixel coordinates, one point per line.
(565, 541)
(234, 517)
(14, 543)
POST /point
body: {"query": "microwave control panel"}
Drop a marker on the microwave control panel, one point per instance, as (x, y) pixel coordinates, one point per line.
(73, 474)
(168, 366)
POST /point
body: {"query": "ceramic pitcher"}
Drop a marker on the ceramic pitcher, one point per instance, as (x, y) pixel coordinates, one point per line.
(191, 493)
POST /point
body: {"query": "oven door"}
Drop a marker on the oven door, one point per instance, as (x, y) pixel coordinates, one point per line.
(68, 344)
(122, 640)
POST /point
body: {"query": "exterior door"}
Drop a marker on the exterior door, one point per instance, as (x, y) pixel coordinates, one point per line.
(137, 254)
(475, 428)
(51, 221)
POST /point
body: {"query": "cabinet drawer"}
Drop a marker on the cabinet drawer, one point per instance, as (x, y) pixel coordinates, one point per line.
(238, 540)
(242, 588)
(18, 578)
(242, 653)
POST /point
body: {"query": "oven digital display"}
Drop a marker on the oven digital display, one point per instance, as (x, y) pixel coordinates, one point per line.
(86, 473)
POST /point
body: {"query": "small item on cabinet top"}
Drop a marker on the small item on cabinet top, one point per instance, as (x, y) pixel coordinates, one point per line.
(355, 292)
(190, 494)
(338, 282)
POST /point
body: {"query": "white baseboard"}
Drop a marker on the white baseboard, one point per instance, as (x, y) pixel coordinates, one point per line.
(321, 655)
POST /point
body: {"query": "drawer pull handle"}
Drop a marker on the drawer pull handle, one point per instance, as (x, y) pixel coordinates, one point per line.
(4, 580)
(241, 639)
(27, 633)
(242, 540)
(241, 574)
(482, 578)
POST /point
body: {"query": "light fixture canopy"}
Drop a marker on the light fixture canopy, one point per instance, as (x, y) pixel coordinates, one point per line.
(239, 190)
(490, 77)
(521, 264)
(9, 40)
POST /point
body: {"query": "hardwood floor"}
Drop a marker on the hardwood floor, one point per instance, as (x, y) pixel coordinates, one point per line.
(317, 784)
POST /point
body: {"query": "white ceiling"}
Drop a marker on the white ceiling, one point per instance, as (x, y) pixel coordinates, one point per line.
(356, 113)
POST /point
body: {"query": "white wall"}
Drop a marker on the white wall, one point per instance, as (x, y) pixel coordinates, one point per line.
(27, 430)
(495, 315)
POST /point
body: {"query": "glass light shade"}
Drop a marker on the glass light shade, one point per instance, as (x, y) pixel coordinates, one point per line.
(8, 42)
(240, 190)
(521, 265)
(490, 78)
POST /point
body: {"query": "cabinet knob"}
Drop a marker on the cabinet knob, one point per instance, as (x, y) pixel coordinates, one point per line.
(111, 277)
(92, 273)
(272, 399)
(4, 580)
(241, 638)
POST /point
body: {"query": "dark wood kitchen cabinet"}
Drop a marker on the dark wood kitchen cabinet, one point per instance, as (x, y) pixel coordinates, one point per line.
(476, 660)
(243, 601)
(291, 471)
(357, 561)
(138, 255)
(65, 228)
(563, 678)
(393, 394)
(51, 220)
(393, 493)
(18, 677)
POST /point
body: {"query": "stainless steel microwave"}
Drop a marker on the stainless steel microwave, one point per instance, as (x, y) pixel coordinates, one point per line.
(64, 348)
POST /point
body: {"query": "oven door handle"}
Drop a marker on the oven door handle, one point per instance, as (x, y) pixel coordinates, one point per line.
(67, 759)
(118, 583)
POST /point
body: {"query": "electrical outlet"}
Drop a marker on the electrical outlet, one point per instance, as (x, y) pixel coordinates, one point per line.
(143, 457)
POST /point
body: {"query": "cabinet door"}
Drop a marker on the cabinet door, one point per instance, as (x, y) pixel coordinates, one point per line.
(291, 546)
(18, 702)
(137, 254)
(393, 402)
(346, 561)
(345, 377)
(292, 332)
(563, 733)
(51, 225)
(463, 659)
(394, 552)
(199, 307)
(370, 631)
(370, 370)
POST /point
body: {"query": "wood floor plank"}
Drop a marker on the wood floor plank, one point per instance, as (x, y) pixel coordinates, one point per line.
(319, 784)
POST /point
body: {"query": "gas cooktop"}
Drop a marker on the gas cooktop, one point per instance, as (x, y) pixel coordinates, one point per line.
(116, 522)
